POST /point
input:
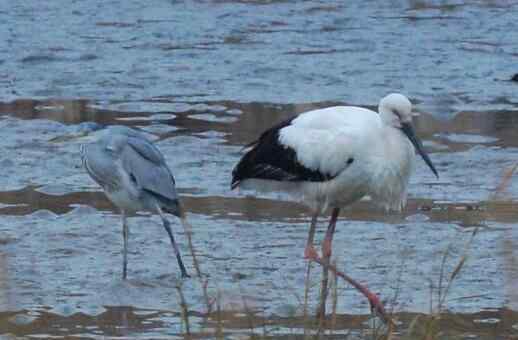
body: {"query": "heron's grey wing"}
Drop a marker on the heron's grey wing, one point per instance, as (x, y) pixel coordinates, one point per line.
(147, 150)
(100, 166)
(149, 174)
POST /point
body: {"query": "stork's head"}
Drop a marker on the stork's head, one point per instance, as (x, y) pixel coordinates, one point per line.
(396, 111)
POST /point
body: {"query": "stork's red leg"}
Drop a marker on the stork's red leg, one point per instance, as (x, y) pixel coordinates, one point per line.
(309, 251)
(376, 305)
(326, 257)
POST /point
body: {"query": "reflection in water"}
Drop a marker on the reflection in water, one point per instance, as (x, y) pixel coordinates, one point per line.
(226, 126)
(29, 200)
(253, 118)
(65, 111)
(130, 321)
(510, 258)
(361, 49)
(120, 321)
(4, 289)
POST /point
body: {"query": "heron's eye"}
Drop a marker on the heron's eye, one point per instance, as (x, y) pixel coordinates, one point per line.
(350, 161)
(110, 148)
(396, 112)
(132, 178)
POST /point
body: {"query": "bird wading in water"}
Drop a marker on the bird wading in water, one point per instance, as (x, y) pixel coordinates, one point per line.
(135, 177)
(330, 158)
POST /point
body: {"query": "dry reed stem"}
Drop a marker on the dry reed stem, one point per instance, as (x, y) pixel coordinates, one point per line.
(307, 330)
(249, 315)
(203, 282)
(458, 267)
(441, 276)
(219, 328)
(185, 310)
(334, 298)
(430, 325)
(506, 178)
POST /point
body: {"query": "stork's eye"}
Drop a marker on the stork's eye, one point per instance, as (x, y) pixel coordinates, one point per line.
(396, 112)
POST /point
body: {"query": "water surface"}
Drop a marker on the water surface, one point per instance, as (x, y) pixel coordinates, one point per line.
(205, 78)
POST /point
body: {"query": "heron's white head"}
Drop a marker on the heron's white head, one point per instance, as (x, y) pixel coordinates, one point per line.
(395, 109)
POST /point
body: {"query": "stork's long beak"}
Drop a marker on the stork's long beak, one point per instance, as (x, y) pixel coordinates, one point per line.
(409, 132)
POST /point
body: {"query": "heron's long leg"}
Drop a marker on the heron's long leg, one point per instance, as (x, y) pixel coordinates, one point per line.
(326, 256)
(167, 227)
(310, 251)
(125, 249)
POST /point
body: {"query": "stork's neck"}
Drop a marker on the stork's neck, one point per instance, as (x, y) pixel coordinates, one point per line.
(388, 117)
(393, 169)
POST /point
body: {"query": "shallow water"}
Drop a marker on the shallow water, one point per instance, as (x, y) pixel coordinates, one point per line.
(448, 56)
(204, 78)
(61, 238)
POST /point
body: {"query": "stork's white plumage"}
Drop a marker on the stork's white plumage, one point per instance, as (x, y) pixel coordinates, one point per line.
(332, 157)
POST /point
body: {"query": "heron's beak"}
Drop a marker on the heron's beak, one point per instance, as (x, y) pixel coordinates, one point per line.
(409, 132)
(84, 131)
(68, 137)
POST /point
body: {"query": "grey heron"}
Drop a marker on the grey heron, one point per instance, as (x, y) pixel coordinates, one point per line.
(333, 157)
(135, 177)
